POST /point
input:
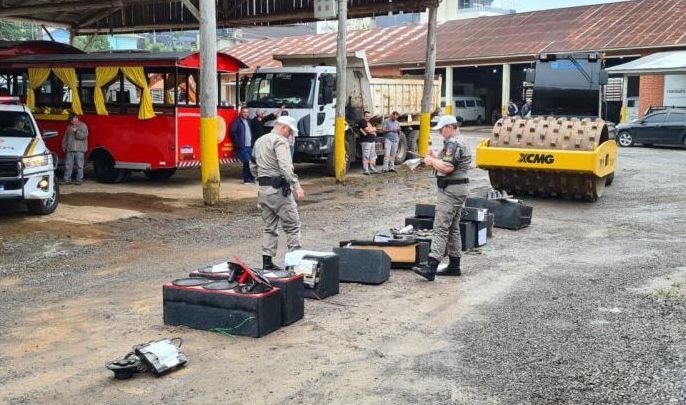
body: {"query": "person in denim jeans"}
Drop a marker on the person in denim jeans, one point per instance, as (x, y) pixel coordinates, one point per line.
(242, 138)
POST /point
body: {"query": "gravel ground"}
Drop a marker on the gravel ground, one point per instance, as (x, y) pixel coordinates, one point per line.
(586, 306)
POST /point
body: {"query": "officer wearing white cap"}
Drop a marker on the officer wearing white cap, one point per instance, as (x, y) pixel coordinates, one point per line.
(272, 165)
(450, 166)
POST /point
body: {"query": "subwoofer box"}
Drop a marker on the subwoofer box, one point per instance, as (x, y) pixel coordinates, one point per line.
(363, 266)
(292, 293)
(403, 253)
(468, 235)
(509, 213)
(329, 277)
(425, 211)
(490, 218)
(253, 315)
(420, 223)
(481, 235)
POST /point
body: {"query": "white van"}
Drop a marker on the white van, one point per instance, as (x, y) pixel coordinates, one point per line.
(471, 109)
(27, 171)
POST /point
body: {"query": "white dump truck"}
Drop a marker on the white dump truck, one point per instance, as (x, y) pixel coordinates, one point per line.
(306, 86)
(27, 170)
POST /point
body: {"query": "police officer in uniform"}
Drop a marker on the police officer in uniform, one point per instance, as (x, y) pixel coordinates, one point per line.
(272, 165)
(450, 166)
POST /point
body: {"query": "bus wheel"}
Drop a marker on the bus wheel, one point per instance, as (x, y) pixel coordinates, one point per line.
(159, 174)
(105, 172)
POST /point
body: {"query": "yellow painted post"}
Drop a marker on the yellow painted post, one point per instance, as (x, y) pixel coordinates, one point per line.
(209, 169)
(449, 110)
(424, 134)
(339, 148)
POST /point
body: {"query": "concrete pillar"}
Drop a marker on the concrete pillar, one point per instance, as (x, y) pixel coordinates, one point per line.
(505, 88)
(625, 91)
(449, 90)
(209, 156)
(341, 97)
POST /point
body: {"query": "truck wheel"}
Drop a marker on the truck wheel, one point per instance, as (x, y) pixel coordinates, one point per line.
(412, 138)
(105, 172)
(159, 174)
(46, 206)
(401, 155)
(349, 156)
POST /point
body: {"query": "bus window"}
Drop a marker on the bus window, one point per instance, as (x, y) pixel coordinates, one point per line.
(186, 88)
(86, 88)
(161, 88)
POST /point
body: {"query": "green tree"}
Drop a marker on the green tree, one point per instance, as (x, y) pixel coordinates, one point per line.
(89, 44)
(10, 31)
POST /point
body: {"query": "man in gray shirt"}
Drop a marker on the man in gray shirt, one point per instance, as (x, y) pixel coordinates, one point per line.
(272, 165)
(391, 129)
(75, 145)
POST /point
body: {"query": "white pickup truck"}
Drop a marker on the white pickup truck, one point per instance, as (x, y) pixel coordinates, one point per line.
(27, 170)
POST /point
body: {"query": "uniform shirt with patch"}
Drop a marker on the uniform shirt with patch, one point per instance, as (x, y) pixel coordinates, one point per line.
(456, 153)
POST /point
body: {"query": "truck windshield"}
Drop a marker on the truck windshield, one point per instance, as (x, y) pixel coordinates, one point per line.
(273, 90)
(16, 124)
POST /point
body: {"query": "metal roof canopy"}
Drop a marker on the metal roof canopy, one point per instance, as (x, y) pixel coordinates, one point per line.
(120, 16)
(662, 62)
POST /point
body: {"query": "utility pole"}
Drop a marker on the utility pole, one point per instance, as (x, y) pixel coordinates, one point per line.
(341, 67)
(209, 158)
(427, 97)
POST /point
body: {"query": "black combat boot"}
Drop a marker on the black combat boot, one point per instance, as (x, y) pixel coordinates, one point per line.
(427, 270)
(453, 268)
(267, 263)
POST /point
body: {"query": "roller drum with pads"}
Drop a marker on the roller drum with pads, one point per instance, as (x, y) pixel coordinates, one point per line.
(403, 253)
(509, 213)
(363, 266)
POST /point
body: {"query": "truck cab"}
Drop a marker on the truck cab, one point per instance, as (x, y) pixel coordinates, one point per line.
(26, 165)
(307, 93)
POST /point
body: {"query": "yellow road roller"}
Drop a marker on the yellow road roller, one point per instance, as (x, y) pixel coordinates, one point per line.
(563, 149)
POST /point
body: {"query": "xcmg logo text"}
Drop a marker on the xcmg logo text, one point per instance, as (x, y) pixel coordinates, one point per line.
(536, 158)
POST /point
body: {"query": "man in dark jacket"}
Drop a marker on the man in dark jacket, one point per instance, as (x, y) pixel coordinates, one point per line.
(257, 123)
(242, 137)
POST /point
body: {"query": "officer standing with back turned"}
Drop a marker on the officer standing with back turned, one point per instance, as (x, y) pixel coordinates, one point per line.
(451, 167)
(272, 165)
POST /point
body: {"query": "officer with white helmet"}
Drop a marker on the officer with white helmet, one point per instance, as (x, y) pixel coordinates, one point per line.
(272, 165)
(450, 166)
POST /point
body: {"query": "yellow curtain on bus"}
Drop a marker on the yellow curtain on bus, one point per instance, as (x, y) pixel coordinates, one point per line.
(136, 75)
(68, 77)
(37, 76)
(103, 75)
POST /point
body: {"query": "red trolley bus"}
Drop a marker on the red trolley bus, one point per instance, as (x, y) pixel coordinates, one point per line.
(141, 108)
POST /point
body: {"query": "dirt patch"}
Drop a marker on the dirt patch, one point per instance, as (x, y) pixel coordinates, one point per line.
(130, 201)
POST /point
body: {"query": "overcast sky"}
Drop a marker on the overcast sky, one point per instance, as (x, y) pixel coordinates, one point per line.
(530, 5)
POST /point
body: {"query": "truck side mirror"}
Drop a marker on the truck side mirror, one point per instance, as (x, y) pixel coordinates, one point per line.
(603, 78)
(530, 75)
(243, 88)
